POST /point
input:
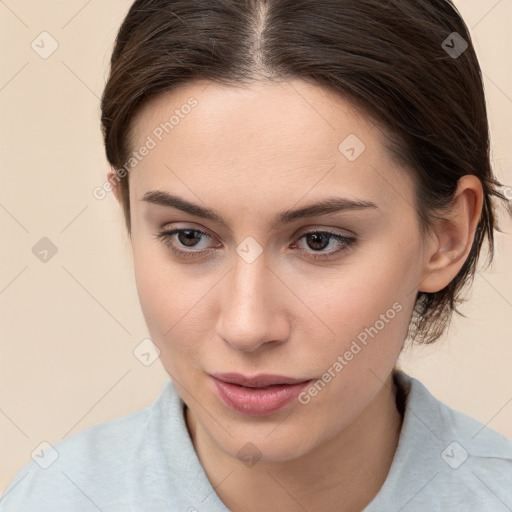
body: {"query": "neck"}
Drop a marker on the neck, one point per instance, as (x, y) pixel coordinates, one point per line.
(342, 475)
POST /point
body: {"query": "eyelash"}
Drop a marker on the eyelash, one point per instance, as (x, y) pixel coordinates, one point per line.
(166, 236)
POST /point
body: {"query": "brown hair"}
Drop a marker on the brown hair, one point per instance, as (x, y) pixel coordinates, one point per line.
(398, 60)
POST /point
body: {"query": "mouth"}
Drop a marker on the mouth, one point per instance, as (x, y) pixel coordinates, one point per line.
(260, 395)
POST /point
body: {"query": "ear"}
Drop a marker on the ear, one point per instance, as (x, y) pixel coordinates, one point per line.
(454, 235)
(113, 180)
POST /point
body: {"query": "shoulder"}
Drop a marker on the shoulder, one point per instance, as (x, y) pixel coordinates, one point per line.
(446, 422)
(445, 459)
(89, 469)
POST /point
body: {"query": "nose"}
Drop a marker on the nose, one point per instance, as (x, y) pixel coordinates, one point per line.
(251, 312)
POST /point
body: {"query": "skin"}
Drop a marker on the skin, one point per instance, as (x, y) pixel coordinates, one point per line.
(249, 153)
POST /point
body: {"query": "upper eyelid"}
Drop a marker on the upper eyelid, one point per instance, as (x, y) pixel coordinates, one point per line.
(297, 237)
(344, 231)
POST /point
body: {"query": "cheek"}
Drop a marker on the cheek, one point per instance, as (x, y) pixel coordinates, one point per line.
(369, 307)
(369, 315)
(159, 289)
(172, 302)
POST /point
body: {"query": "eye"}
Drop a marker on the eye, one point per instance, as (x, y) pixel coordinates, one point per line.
(317, 241)
(185, 237)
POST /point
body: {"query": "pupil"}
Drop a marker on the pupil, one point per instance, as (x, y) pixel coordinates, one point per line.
(188, 236)
(318, 237)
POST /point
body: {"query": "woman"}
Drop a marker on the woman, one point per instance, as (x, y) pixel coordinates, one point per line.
(306, 184)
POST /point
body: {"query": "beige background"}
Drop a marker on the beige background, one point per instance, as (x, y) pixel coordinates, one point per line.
(69, 326)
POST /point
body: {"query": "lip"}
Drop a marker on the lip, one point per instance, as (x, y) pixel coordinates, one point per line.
(260, 395)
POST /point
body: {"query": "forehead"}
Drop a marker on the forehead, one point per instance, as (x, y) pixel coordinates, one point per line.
(303, 115)
(262, 137)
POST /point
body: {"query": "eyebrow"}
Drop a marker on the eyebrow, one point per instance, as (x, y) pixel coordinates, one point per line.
(327, 206)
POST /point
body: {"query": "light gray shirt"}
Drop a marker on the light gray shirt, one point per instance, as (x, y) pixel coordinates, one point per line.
(144, 462)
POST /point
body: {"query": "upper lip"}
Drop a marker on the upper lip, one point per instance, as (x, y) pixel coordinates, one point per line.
(258, 381)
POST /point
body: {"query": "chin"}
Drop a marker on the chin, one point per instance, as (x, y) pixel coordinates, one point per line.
(275, 442)
(251, 451)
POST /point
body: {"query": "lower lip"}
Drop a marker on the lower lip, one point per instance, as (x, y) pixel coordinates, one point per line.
(258, 401)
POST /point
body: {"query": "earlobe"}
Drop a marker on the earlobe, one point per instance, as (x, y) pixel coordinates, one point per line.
(455, 232)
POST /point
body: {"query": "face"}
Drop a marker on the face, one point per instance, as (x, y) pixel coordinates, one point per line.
(252, 288)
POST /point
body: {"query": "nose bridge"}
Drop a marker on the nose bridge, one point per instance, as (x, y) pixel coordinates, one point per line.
(247, 315)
